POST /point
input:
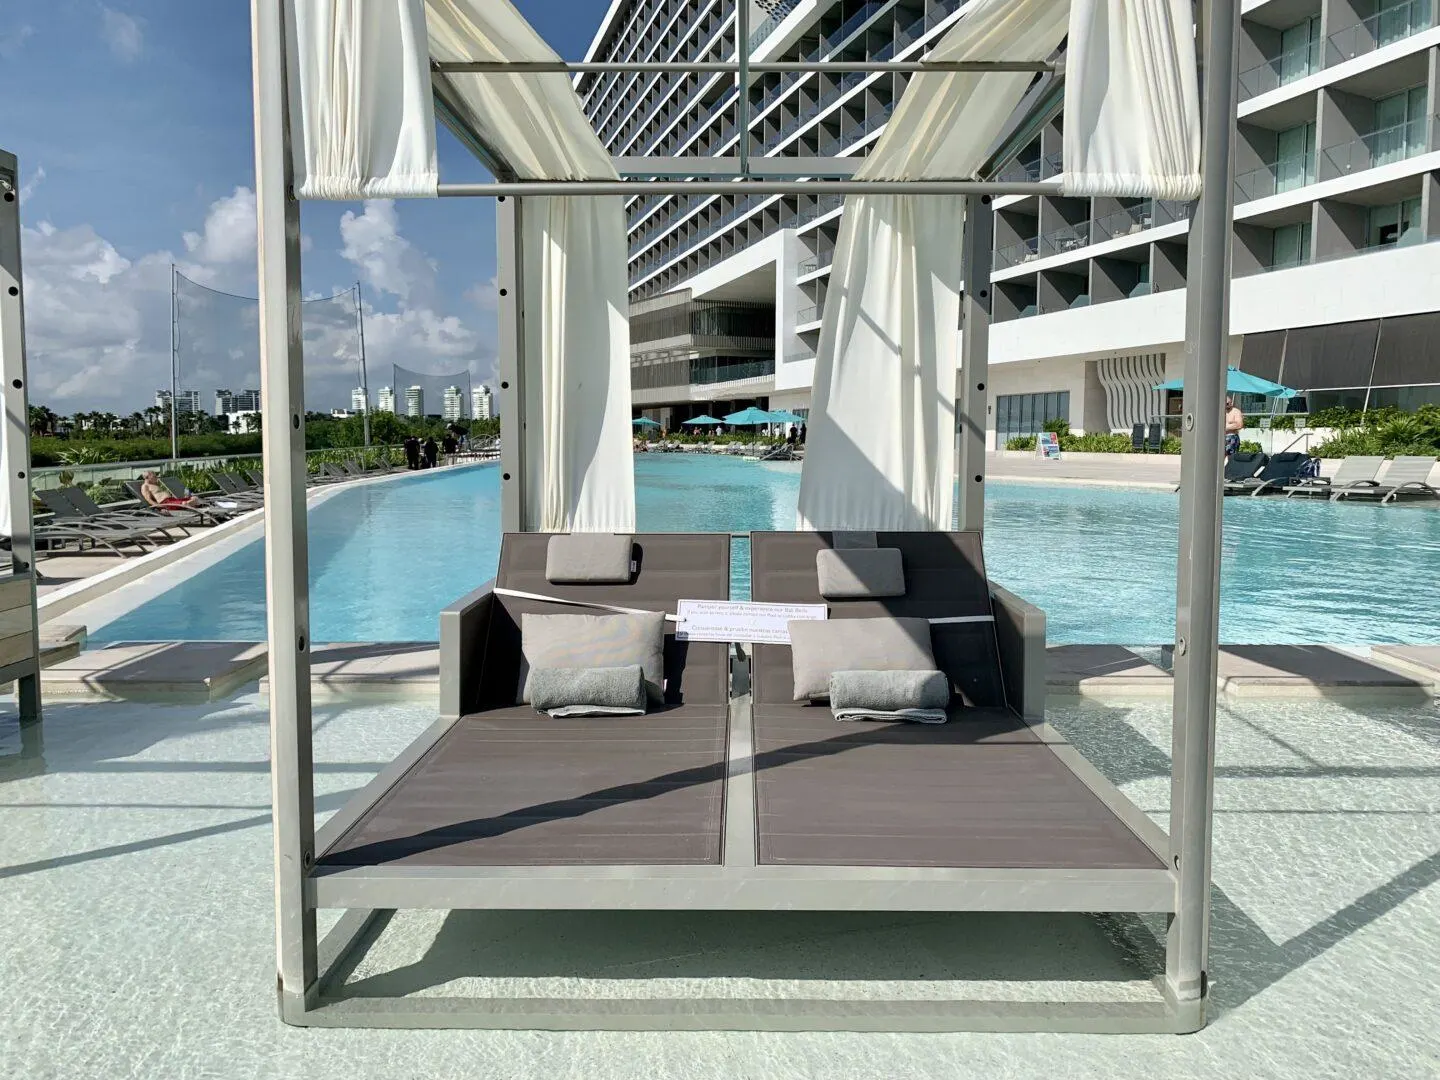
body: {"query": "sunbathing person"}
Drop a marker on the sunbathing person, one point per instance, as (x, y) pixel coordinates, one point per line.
(157, 495)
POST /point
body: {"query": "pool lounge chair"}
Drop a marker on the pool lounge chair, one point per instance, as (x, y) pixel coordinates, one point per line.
(65, 512)
(1137, 438)
(993, 788)
(1353, 473)
(1283, 468)
(1241, 468)
(1405, 476)
(160, 520)
(1155, 441)
(246, 495)
(211, 513)
(497, 785)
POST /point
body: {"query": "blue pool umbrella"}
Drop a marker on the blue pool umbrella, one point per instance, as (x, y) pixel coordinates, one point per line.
(707, 421)
(785, 416)
(645, 421)
(1238, 382)
(749, 417)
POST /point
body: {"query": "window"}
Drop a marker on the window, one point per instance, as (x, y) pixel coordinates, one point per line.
(1295, 157)
(1396, 19)
(1299, 50)
(1395, 225)
(1399, 126)
(1290, 246)
(1027, 414)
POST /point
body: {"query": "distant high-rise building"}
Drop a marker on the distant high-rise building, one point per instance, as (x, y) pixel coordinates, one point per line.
(415, 401)
(482, 404)
(162, 400)
(187, 401)
(358, 402)
(224, 402)
(245, 401)
(453, 406)
(387, 399)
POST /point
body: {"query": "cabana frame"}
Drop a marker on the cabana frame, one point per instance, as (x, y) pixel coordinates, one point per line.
(1180, 885)
(20, 642)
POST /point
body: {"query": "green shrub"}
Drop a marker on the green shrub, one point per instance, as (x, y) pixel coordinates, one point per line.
(1284, 422)
(1096, 442)
(1020, 442)
(1248, 447)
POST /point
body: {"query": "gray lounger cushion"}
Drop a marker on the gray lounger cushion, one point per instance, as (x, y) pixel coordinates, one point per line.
(589, 559)
(817, 649)
(617, 691)
(921, 696)
(594, 641)
(850, 573)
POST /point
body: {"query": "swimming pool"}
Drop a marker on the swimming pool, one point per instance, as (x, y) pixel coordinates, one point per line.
(385, 558)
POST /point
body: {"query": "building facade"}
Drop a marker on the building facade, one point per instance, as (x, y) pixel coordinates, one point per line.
(415, 401)
(482, 403)
(452, 406)
(386, 399)
(1336, 281)
(359, 401)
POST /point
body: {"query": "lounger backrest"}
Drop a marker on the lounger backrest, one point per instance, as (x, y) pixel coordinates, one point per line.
(1244, 464)
(57, 502)
(1353, 469)
(225, 482)
(944, 578)
(1284, 465)
(1413, 469)
(174, 485)
(669, 567)
(81, 500)
(1137, 436)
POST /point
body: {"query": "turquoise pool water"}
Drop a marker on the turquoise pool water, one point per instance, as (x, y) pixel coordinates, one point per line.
(384, 558)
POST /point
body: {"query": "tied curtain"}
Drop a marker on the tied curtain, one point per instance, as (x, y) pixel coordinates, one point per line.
(881, 444)
(364, 123)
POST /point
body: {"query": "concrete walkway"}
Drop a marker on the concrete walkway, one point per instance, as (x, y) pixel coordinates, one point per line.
(1161, 471)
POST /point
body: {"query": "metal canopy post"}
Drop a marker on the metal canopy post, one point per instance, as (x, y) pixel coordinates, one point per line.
(364, 376)
(742, 80)
(174, 363)
(971, 409)
(16, 430)
(509, 281)
(286, 562)
(1197, 593)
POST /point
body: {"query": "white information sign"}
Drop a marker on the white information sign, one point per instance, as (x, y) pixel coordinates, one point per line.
(728, 620)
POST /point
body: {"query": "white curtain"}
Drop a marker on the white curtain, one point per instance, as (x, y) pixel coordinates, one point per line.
(363, 99)
(1132, 127)
(361, 116)
(880, 451)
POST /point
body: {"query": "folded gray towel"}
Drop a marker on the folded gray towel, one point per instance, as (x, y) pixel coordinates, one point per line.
(921, 696)
(617, 691)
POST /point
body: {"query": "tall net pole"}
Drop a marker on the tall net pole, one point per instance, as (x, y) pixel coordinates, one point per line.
(364, 380)
(174, 365)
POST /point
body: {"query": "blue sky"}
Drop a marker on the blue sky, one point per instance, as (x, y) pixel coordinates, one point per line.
(131, 120)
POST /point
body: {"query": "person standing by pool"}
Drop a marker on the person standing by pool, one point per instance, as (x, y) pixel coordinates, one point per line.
(412, 452)
(1234, 424)
(432, 452)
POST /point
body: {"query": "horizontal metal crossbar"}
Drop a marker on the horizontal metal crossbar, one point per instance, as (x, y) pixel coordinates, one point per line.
(702, 67)
(752, 187)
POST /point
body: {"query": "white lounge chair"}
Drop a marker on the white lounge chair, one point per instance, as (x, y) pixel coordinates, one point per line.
(1353, 473)
(1405, 476)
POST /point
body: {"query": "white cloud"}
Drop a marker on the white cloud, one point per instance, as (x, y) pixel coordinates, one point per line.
(28, 187)
(485, 295)
(229, 234)
(387, 260)
(123, 33)
(98, 323)
(13, 39)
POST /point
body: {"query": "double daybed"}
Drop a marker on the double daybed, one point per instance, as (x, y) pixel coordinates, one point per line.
(730, 794)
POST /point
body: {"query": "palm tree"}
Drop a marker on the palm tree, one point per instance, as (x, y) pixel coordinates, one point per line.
(252, 423)
(42, 420)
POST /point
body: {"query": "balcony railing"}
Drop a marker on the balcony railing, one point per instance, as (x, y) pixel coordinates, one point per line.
(1377, 31)
(1286, 174)
(1021, 171)
(1015, 254)
(815, 263)
(1134, 219)
(807, 315)
(1378, 148)
(830, 42)
(1278, 70)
